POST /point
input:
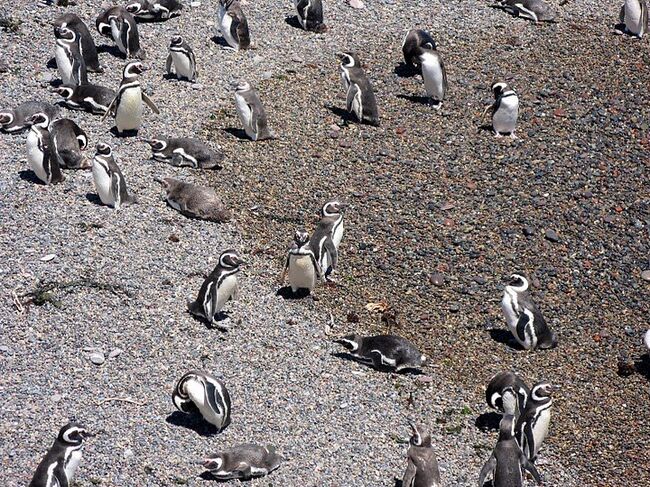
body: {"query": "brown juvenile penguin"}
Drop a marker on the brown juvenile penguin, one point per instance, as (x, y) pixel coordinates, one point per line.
(195, 201)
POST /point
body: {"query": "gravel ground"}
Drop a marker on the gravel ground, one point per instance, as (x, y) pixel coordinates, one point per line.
(428, 195)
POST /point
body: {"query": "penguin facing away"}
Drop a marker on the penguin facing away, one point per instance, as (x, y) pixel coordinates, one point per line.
(195, 201)
(413, 41)
(534, 422)
(634, 18)
(422, 466)
(87, 44)
(154, 9)
(203, 393)
(504, 110)
(243, 462)
(181, 57)
(360, 97)
(185, 151)
(40, 150)
(251, 112)
(507, 393)
(68, 139)
(233, 25)
(384, 351)
(16, 120)
(69, 61)
(301, 267)
(109, 180)
(91, 98)
(310, 15)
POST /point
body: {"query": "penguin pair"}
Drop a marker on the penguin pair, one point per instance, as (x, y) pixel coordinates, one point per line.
(507, 393)
(422, 466)
(118, 24)
(504, 110)
(181, 57)
(310, 15)
(152, 10)
(420, 50)
(195, 201)
(200, 392)
(184, 151)
(243, 462)
(108, 178)
(634, 18)
(233, 25)
(535, 10)
(360, 97)
(251, 112)
(17, 120)
(384, 351)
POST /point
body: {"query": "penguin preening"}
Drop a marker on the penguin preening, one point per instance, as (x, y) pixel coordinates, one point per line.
(251, 112)
(301, 267)
(634, 17)
(68, 139)
(507, 393)
(360, 97)
(505, 110)
(60, 464)
(243, 462)
(233, 25)
(413, 41)
(310, 15)
(109, 180)
(181, 57)
(524, 319)
(154, 9)
(16, 120)
(422, 466)
(200, 392)
(535, 10)
(69, 60)
(40, 150)
(118, 24)
(184, 151)
(87, 45)
(195, 201)
(384, 351)
(91, 98)
(533, 423)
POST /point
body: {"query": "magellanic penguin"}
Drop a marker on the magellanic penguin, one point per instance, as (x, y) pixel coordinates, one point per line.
(200, 392)
(109, 180)
(301, 267)
(40, 151)
(634, 17)
(251, 112)
(91, 98)
(384, 351)
(413, 41)
(422, 466)
(233, 25)
(533, 423)
(524, 318)
(87, 44)
(127, 104)
(507, 459)
(535, 10)
(68, 140)
(219, 287)
(154, 9)
(310, 15)
(507, 393)
(118, 24)
(434, 73)
(505, 110)
(328, 235)
(184, 151)
(243, 462)
(69, 61)
(195, 201)
(646, 339)
(16, 120)
(360, 97)
(59, 466)
(181, 57)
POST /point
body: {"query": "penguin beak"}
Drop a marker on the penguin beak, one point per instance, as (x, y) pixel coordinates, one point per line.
(556, 387)
(340, 55)
(209, 464)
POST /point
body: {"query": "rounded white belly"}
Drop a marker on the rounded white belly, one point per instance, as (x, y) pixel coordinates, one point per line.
(301, 272)
(338, 235)
(505, 118)
(226, 21)
(182, 65)
(63, 65)
(227, 290)
(129, 111)
(245, 115)
(540, 431)
(433, 78)
(103, 184)
(35, 157)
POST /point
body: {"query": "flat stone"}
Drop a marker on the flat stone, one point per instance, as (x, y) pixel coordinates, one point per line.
(645, 275)
(97, 358)
(356, 3)
(529, 231)
(552, 236)
(437, 279)
(267, 75)
(115, 352)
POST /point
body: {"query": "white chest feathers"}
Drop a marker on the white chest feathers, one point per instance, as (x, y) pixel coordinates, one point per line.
(229, 289)
(182, 64)
(128, 115)
(226, 23)
(633, 17)
(71, 462)
(103, 183)
(504, 119)
(36, 156)
(540, 429)
(509, 306)
(246, 116)
(63, 64)
(432, 72)
(302, 274)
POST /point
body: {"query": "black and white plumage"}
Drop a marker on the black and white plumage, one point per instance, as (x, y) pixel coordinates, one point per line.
(153, 10)
(87, 44)
(233, 25)
(109, 180)
(91, 98)
(243, 462)
(118, 24)
(505, 110)
(127, 104)
(184, 151)
(251, 112)
(360, 97)
(69, 60)
(200, 392)
(16, 120)
(68, 140)
(507, 460)
(384, 351)
(413, 41)
(310, 15)
(195, 201)
(327, 236)
(40, 151)
(434, 73)
(634, 17)
(220, 287)
(534, 422)
(523, 317)
(181, 58)
(59, 466)
(422, 466)
(301, 267)
(507, 393)
(646, 339)
(535, 10)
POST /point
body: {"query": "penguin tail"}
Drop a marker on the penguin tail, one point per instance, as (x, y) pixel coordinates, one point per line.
(320, 29)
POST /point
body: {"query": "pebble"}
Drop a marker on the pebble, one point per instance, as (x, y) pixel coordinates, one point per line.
(128, 453)
(552, 236)
(258, 59)
(57, 397)
(267, 74)
(45, 77)
(529, 231)
(97, 358)
(645, 275)
(48, 257)
(4, 348)
(197, 86)
(4, 66)
(437, 279)
(195, 4)
(425, 379)
(115, 352)
(356, 3)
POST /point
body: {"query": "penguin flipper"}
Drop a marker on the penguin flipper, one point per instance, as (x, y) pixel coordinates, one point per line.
(168, 64)
(110, 108)
(330, 248)
(489, 467)
(529, 441)
(150, 102)
(115, 189)
(522, 324)
(530, 466)
(409, 475)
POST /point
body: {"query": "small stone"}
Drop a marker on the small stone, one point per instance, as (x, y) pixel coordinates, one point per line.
(4, 66)
(128, 453)
(267, 74)
(335, 127)
(345, 143)
(115, 352)
(645, 275)
(333, 134)
(552, 236)
(195, 4)
(97, 358)
(90, 349)
(629, 331)
(437, 279)
(425, 379)
(297, 59)
(4, 349)
(529, 231)
(174, 238)
(45, 77)
(447, 206)
(57, 397)
(480, 280)
(625, 365)
(356, 3)
(352, 317)
(48, 257)
(454, 308)
(258, 59)
(197, 86)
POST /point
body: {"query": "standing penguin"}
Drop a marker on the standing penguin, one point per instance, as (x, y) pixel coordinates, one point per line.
(360, 97)
(87, 44)
(251, 112)
(413, 41)
(243, 462)
(109, 180)
(201, 392)
(233, 25)
(40, 151)
(68, 140)
(327, 236)
(91, 98)
(524, 319)
(422, 467)
(118, 24)
(60, 464)
(535, 10)
(634, 17)
(505, 110)
(219, 287)
(301, 267)
(185, 151)
(154, 9)
(507, 459)
(16, 120)
(310, 15)
(69, 61)
(182, 58)
(127, 104)
(533, 423)
(433, 73)
(507, 393)
(383, 351)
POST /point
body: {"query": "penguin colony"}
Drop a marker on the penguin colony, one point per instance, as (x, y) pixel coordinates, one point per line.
(55, 143)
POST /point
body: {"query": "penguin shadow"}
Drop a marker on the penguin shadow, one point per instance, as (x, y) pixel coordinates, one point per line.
(422, 100)
(30, 177)
(486, 127)
(398, 482)
(340, 112)
(505, 338)
(125, 134)
(488, 421)
(237, 133)
(292, 20)
(193, 422)
(404, 70)
(642, 366)
(112, 50)
(220, 41)
(94, 199)
(286, 293)
(220, 316)
(379, 368)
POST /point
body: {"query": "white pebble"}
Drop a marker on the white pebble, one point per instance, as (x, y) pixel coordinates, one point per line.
(97, 358)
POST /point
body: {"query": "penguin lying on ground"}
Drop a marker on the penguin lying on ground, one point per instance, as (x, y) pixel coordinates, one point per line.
(16, 120)
(154, 9)
(535, 10)
(195, 201)
(383, 351)
(243, 462)
(91, 98)
(184, 151)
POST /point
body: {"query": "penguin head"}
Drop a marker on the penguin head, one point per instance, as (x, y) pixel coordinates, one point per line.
(542, 390)
(66, 91)
(213, 462)
(103, 149)
(62, 32)
(499, 88)
(351, 342)
(133, 69)
(507, 427)
(134, 8)
(73, 434)
(6, 118)
(242, 86)
(39, 119)
(230, 259)
(332, 208)
(348, 59)
(301, 237)
(419, 436)
(429, 46)
(518, 282)
(156, 144)
(176, 41)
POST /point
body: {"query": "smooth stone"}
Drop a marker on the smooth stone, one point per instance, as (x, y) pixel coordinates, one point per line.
(97, 358)
(437, 279)
(57, 397)
(267, 75)
(552, 236)
(645, 275)
(529, 231)
(115, 352)
(356, 3)
(197, 86)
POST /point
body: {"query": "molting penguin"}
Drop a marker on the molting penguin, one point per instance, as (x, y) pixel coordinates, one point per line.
(251, 112)
(60, 464)
(533, 423)
(87, 44)
(301, 268)
(118, 24)
(185, 151)
(195, 201)
(535, 10)
(422, 467)
(220, 287)
(109, 180)
(360, 97)
(154, 9)
(40, 150)
(433, 73)
(69, 61)
(310, 15)
(505, 110)
(68, 140)
(634, 17)
(16, 120)
(327, 236)
(413, 41)
(182, 58)
(524, 318)
(243, 462)
(91, 98)
(200, 392)
(507, 459)
(507, 393)
(127, 104)
(233, 25)
(383, 351)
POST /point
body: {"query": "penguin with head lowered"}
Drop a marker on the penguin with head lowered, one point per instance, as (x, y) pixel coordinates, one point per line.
(118, 24)
(59, 466)
(154, 9)
(507, 393)
(200, 392)
(251, 112)
(181, 57)
(384, 351)
(68, 140)
(91, 98)
(413, 41)
(184, 151)
(360, 97)
(422, 468)
(109, 180)
(16, 120)
(301, 267)
(505, 110)
(634, 18)
(40, 150)
(233, 25)
(310, 15)
(534, 421)
(87, 44)
(243, 462)
(69, 61)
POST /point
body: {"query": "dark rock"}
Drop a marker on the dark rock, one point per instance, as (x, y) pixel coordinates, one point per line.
(552, 236)
(529, 231)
